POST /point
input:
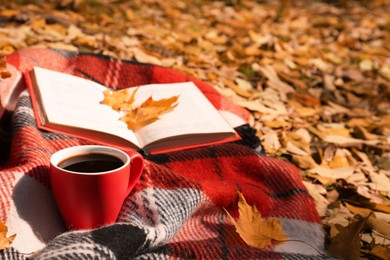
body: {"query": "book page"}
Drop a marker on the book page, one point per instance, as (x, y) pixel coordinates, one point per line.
(73, 101)
(194, 115)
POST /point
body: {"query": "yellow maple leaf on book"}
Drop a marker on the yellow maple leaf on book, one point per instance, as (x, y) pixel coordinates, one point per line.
(137, 116)
(255, 230)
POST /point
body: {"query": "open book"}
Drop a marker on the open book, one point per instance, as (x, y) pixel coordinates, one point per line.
(72, 105)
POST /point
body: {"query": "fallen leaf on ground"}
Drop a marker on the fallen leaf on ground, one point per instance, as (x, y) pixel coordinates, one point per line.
(379, 226)
(303, 162)
(379, 182)
(380, 251)
(255, 230)
(346, 243)
(339, 173)
(316, 192)
(348, 141)
(238, 89)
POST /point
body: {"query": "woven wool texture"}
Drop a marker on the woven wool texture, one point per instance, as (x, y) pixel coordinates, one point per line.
(177, 208)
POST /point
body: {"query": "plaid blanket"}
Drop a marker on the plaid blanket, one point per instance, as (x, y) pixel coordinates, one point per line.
(177, 208)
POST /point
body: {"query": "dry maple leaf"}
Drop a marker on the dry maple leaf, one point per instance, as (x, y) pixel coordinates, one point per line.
(348, 238)
(255, 230)
(119, 99)
(5, 241)
(137, 116)
(148, 112)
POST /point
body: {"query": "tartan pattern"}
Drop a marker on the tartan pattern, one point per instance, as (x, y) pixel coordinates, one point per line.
(177, 208)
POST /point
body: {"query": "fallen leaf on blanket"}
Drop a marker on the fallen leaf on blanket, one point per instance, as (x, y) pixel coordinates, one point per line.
(348, 237)
(138, 116)
(5, 241)
(255, 230)
(4, 73)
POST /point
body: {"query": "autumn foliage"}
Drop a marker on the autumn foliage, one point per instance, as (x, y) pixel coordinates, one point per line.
(315, 76)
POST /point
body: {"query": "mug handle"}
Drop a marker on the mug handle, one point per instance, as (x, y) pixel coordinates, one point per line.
(136, 168)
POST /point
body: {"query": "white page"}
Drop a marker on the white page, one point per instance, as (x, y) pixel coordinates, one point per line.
(193, 115)
(70, 100)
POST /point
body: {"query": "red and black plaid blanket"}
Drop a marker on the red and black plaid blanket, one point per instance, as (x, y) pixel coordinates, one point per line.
(177, 208)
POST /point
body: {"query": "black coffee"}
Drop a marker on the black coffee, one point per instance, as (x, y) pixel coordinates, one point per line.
(93, 162)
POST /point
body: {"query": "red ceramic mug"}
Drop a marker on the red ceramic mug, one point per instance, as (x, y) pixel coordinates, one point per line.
(91, 182)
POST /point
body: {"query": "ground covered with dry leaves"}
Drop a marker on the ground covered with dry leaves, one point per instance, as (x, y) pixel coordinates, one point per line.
(314, 74)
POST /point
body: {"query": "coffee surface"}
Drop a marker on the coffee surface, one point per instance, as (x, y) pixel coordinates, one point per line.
(91, 163)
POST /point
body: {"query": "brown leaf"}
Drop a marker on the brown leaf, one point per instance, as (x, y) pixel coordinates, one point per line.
(293, 149)
(380, 251)
(271, 142)
(370, 205)
(275, 82)
(317, 193)
(299, 84)
(304, 162)
(346, 243)
(5, 241)
(299, 141)
(379, 225)
(358, 210)
(348, 141)
(306, 100)
(255, 230)
(237, 89)
(324, 180)
(339, 173)
(302, 111)
(277, 123)
(385, 72)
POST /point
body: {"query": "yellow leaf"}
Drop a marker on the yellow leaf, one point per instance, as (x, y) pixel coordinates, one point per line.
(148, 112)
(339, 161)
(358, 210)
(5, 241)
(9, 13)
(277, 123)
(255, 230)
(349, 237)
(119, 99)
(136, 117)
